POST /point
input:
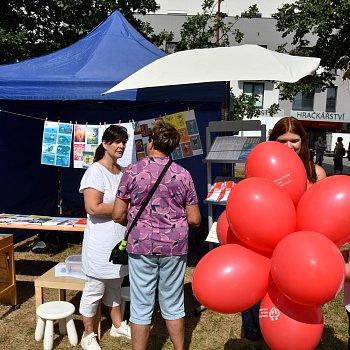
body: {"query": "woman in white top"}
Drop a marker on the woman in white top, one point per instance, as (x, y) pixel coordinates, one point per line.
(99, 186)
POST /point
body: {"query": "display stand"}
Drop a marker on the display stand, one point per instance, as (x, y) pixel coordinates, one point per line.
(225, 147)
(8, 290)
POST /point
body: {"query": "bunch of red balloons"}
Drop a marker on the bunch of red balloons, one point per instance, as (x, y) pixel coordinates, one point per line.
(279, 244)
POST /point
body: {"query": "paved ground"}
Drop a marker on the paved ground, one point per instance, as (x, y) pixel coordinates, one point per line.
(328, 166)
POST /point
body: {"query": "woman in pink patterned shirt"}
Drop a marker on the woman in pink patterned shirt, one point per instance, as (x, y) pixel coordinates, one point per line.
(158, 243)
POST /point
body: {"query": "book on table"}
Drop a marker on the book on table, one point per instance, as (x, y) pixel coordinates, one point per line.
(54, 221)
(39, 219)
(20, 219)
(81, 222)
(5, 218)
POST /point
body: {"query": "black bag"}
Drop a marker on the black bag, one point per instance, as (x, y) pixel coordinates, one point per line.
(119, 255)
(342, 152)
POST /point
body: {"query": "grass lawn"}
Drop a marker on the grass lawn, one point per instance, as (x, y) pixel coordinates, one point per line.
(206, 331)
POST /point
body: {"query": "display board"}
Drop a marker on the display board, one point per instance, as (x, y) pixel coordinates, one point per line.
(185, 123)
(232, 148)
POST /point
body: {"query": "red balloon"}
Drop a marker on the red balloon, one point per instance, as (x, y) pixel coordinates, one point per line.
(274, 161)
(286, 325)
(308, 268)
(230, 278)
(325, 208)
(259, 213)
(226, 236)
(224, 232)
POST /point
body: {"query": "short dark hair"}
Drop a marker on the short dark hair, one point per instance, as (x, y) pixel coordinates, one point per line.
(165, 137)
(112, 134)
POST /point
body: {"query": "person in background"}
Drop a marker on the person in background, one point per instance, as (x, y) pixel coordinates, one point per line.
(99, 186)
(290, 132)
(320, 147)
(349, 151)
(346, 256)
(158, 243)
(338, 156)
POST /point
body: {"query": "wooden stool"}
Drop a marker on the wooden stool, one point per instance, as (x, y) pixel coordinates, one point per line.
(125, 296)
(61, 311)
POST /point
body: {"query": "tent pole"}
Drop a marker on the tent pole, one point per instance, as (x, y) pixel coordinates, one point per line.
(59, 191)
(225, 110)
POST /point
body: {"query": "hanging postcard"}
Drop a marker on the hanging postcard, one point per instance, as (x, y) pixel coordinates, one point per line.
(56, 144)
(86, 140)
(185, 123)
(88, 137)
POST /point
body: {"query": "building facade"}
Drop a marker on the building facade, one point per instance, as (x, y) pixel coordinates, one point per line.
(322, 112)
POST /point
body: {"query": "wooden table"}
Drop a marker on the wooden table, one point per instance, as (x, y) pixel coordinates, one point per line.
(8, 290)
(62, 284)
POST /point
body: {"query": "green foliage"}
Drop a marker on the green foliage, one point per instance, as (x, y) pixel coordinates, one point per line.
(210, 29)
(328, 23)
(32, 28)
(244, 106)
(201, 30)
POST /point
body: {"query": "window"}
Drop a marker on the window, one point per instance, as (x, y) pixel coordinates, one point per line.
(303, 101)
(255, 15)
(255, 89)
(331, 99)
(170, 46)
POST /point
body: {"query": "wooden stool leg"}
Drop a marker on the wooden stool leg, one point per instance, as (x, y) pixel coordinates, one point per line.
(48, 336)
(39, 330)
(62, 326)
(71, 331)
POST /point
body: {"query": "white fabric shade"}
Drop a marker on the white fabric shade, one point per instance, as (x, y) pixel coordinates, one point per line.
(245, 62)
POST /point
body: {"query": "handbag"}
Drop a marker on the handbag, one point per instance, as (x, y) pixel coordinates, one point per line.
(119, 255)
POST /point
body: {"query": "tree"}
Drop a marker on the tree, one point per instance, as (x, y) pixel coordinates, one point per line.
(31, 28)
(201, 30)
(244, 106)
(328, 24)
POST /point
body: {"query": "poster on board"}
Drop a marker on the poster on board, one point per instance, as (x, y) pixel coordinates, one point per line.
(185, 123)
(88, 137)
(85, 141)
(56, 144)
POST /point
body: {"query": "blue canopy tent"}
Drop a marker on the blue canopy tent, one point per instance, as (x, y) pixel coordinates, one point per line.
(67, 85)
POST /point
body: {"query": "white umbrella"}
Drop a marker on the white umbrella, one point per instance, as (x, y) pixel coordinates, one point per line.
(245, 62)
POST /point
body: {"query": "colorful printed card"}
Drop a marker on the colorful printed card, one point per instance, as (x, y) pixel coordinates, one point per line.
(56, 144)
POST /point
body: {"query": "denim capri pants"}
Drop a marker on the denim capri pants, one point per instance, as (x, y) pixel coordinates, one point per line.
(146, 274)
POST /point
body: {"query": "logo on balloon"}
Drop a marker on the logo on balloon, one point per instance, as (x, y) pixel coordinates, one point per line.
(274, 314)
